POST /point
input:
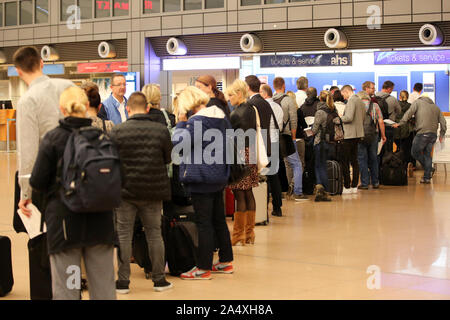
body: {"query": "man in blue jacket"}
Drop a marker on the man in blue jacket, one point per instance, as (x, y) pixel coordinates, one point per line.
(114, 108)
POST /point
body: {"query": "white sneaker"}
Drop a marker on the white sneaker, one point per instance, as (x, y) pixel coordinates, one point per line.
(347, 191)
(354, 190)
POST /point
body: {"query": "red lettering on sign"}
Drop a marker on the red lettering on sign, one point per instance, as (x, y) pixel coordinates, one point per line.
(99, 4)
(107, 7)
(148, 5)
(117, 5)
(125, 6)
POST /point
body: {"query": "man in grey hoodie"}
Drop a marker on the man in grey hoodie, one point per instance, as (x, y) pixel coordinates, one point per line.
(428, 117)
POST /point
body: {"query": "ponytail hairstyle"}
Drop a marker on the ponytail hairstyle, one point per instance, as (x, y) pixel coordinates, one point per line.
(327, 97)
(74, 100)
(153, 95)
(93, 97)
(208, 80)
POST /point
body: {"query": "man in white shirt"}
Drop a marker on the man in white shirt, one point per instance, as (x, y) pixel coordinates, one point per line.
(273, 180)
(417, 91)
(302, 86)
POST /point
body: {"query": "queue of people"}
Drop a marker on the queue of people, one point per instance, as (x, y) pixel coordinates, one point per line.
(304, 130)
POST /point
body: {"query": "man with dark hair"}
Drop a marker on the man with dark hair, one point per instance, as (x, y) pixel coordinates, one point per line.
(417, 91)
(144, 148)
(37, 113)
(114, 107)
(386, 101)
(274, 180)
(353, 120)
(333, 89)
(265, 111)
(293, 164)
(302, 86)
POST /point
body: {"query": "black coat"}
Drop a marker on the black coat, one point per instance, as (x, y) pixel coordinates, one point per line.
(144, 149)
(265, 114)
(65, 229)
(243, 117)
(221, 104)
(309, 108)
(301, 124)
(157, 115)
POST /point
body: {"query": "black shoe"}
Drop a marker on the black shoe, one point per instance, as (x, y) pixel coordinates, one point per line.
(162, 285)
(84, 286)
(433, 170)
(425, 181)
(361, 187)
(122, 287)
(322, 198)
(277, 213)
(376, 186)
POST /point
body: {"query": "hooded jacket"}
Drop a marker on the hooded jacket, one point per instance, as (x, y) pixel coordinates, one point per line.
(428, 116)
(320, 121)
(309, 108)
(201, 143)
(66, 229)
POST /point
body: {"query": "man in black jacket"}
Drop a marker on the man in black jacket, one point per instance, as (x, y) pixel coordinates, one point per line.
(264, 110)
(144, 149)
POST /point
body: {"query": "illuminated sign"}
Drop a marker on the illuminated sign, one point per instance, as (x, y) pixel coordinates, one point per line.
(105, 5)
(99, 67)
(148, 5)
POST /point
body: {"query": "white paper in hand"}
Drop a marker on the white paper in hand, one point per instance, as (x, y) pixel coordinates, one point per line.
(32, 224)
(380, 146)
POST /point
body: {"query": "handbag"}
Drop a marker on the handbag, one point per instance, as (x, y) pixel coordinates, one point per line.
(238, 169)
(286, 143)
(261, 154)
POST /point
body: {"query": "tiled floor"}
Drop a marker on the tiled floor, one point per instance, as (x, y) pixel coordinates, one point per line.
(316, 251)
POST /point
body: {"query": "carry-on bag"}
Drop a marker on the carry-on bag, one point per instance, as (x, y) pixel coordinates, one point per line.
(335, 183)
(260, 194)
(6, 273)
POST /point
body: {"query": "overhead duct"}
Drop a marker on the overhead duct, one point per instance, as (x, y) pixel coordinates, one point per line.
(106, 50)
(335, 39)
(49, 53)
(176, 47)
(251, 43)
(431, 35)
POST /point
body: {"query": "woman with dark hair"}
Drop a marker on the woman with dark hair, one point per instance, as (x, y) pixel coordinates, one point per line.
(339, 102)
(404, 135)
(208, 85)
(94, 107)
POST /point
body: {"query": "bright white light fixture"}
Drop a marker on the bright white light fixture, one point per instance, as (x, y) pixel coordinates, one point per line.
(202, 63)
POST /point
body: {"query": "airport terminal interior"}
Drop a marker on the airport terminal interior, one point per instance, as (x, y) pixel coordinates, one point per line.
(315, 251)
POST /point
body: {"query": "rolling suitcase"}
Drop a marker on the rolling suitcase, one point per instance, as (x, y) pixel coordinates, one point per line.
(335, 183)
(6, 274)
(140, 249)
(180, 239)
(229, 202)
(262, 213)
(40, 273)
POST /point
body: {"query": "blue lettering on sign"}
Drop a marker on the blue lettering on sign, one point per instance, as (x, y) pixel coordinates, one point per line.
(306, 60)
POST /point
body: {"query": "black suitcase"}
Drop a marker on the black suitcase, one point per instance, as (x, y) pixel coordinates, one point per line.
(180, 239)
(140, 249)
(6, 274)
(394, 171)
(335, 183)
(40, 273)
(309, 176)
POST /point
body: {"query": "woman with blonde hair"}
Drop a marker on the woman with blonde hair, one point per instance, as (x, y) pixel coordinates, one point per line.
(73, 236)
(205, 179)
(152, 93)
(322, 143)
(243, 117)
(294, 97)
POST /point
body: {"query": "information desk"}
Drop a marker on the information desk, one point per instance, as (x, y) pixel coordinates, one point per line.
(7, 120)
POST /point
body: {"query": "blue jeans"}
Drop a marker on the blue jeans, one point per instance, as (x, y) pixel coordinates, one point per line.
(321, 155)
(294, 162)
(368, 160)
(421, 151)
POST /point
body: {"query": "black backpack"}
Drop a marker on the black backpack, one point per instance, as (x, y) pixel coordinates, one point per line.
(333, 132)
(383, 106)
(90, 177)
(370, 126)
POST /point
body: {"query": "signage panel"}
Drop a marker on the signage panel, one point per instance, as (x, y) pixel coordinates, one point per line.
(306, 60)
(99, 67)
(412, 57)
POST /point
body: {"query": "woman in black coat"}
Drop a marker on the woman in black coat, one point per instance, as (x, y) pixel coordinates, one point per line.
(72, 236)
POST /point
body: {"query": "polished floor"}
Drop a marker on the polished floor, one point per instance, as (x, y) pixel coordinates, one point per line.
(315, 251)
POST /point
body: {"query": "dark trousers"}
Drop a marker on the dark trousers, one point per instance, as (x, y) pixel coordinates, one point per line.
(211, 225)
(349, 156)
(406, 146)
(275, 190)
(320, 166)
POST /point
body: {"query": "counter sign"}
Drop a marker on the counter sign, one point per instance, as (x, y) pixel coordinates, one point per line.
(307, 60)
